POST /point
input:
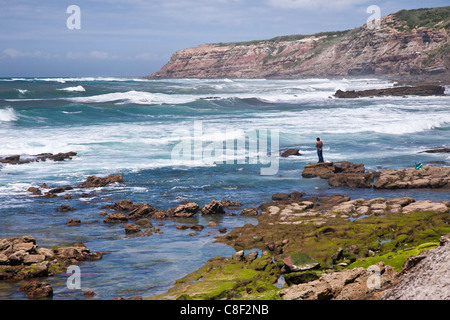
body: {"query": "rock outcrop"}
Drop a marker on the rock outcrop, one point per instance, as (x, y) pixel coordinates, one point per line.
(429, 90)
(18, 159)
(21, 258)
(342, 173)
(347, 174)
(95, 182)
(409, 43)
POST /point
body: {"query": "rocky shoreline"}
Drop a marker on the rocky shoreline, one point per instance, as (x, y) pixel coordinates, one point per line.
(303, 247)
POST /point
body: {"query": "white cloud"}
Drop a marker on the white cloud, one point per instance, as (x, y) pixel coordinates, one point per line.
(94, 54)
(99, 55)
(315, 4)
(14, 53)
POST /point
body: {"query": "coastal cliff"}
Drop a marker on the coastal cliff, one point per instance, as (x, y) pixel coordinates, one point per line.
(408, 44)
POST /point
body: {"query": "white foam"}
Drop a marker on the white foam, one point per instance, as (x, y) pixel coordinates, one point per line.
(73, 89)
(8, 115)
(137, 97)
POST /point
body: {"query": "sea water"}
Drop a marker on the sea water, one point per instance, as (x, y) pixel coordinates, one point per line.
(130, 126)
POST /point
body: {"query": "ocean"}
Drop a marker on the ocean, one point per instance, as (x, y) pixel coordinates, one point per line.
(133, 127)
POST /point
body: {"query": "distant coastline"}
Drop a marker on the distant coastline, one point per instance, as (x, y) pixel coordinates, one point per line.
(410, 45)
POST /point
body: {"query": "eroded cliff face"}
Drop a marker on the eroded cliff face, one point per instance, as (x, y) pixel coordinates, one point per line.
(391, 50)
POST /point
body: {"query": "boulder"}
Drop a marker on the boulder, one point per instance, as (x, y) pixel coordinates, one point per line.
(229, 203)
(131, 228)
(142, 211)
(214, 207)
(184, 210)
(95, 182)
(37, 290)
(34, 191)
(290, 152)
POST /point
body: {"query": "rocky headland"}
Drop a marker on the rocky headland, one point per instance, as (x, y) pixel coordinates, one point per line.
(410, 44)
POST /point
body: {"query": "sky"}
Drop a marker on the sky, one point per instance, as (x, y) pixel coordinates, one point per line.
(134, 38)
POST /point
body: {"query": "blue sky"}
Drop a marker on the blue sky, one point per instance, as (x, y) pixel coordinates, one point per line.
(137, 37)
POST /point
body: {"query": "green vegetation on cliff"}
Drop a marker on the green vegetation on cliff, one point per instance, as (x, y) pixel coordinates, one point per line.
(433, 18)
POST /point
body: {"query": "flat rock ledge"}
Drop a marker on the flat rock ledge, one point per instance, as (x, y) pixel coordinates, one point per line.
(316, 211)
(21, 258)
(353, 175)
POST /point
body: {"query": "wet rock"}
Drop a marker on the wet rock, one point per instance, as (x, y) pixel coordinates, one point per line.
(65, 208)
(223, 230)
(290, 152)
(184, 210)
(249, 212)
(115, 218)
(197, 227)
(144, 222)
(442, 150)
(131, 228)
(59, 190)
(34, 191)
(89, 293)
(214, 207)
(142, 211)
(229, 203)
(37, 290)
(17, 159)
(73, 222)
(95, 182)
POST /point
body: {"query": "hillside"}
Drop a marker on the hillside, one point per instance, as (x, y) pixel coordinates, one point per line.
(408, 44)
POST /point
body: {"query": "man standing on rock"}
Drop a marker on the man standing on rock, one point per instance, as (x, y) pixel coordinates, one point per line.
(319, 146)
